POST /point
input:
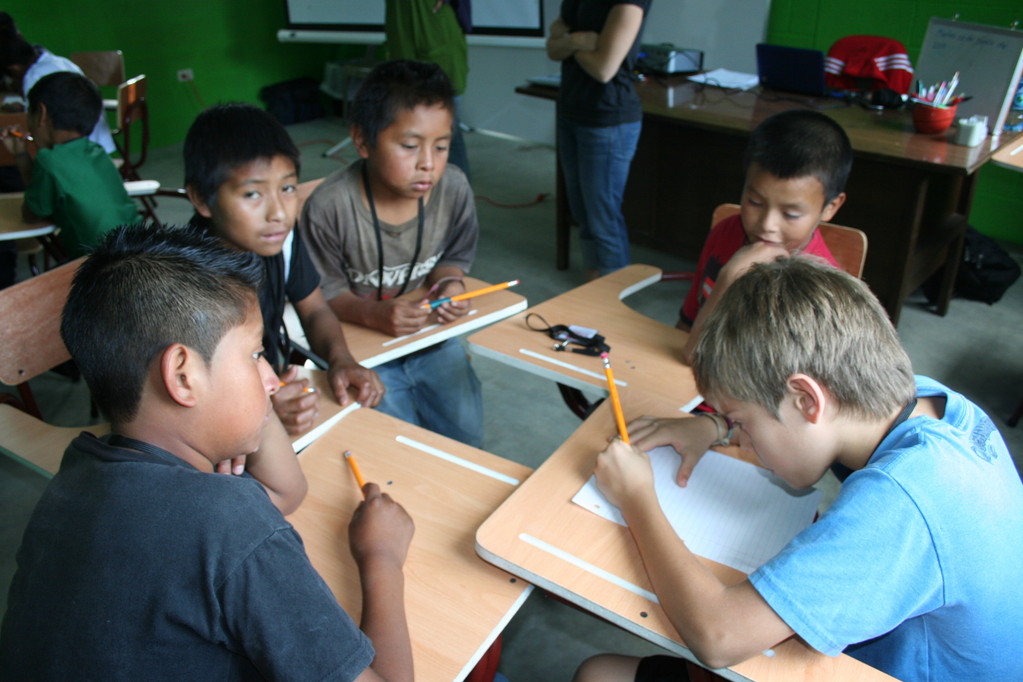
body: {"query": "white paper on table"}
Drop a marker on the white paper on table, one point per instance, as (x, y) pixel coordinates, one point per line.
(731, 511)
(725, 78)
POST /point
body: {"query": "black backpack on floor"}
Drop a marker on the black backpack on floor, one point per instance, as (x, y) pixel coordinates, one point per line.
(986, 271)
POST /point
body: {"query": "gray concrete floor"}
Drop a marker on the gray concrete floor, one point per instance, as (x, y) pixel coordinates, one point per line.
(972, 349)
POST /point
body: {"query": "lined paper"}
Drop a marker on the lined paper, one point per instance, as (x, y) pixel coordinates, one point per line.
(731, 511)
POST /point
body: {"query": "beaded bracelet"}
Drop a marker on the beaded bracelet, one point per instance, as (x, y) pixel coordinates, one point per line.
(725, 427)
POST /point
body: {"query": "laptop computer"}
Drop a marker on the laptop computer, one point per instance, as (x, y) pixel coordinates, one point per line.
(792, 69)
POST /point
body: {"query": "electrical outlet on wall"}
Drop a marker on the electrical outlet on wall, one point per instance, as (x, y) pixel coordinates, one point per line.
(185, 75)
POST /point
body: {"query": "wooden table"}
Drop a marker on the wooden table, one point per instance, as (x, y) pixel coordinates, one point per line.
(542, 536)
(457, 604)
(372, 348)
(645, 353)
(910, 193)
(14, 226)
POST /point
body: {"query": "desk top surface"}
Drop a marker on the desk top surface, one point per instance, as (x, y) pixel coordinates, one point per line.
(456, 603)
(1010, 156)
(371, 347)
(887, 135)
(13, 225)
(645, 354)
(541, 535)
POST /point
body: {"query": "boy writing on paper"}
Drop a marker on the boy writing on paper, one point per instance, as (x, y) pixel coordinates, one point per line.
(72, 180)
(396, 228)
(139, 561)
(797, 163)
(241, 174)
(906, 571)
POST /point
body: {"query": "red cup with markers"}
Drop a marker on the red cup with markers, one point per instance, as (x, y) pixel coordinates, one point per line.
(931, 120)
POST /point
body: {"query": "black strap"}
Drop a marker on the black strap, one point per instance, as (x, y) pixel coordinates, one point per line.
(380, 239)
(903, 416)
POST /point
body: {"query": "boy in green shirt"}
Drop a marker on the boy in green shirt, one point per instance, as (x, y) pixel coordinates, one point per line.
(72, 181)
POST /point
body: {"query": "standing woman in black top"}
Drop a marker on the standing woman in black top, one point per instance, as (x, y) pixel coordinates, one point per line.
(599, 119)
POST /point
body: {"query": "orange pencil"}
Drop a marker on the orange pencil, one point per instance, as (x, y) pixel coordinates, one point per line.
(616, 404)
(305, 389)
(470, 294)
(18, 133)
(350, 458)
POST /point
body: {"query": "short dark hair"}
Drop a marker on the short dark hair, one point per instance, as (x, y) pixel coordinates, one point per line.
(227, 136)
(401, 84)
(144, 288)
(799, 143)
(72, 101)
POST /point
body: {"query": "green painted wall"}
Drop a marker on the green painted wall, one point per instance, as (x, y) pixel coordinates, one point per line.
(998, 202)
(231, 46)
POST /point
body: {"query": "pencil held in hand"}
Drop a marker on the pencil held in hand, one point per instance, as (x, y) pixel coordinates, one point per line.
(616, 403)
(350, 458)
(470, 294)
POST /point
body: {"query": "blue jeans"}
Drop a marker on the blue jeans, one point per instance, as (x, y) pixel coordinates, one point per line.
(437, 389)
(595, 163)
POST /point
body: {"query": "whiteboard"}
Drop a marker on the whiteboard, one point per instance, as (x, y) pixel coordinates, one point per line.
(989, 61)
(494, 17)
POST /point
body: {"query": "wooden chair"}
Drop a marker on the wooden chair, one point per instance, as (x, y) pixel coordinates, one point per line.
(104, 68)
(30, 344)
(848, 245)
(132, 109)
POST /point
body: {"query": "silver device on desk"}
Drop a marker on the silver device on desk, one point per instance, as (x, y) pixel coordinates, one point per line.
(665, 59)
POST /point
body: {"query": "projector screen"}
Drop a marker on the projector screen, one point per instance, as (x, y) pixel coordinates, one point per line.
(489, 17)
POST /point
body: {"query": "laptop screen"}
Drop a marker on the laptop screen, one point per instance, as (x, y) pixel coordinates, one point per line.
(792, 69)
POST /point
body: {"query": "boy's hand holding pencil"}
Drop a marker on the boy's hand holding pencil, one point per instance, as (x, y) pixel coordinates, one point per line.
(295, 402)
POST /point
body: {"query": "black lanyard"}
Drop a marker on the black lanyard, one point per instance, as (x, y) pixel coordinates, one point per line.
(380, 239)
(903, 416)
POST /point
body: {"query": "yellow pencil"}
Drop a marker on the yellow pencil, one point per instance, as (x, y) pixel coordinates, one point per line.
(470, 294)
(616, 404)
(350, 458)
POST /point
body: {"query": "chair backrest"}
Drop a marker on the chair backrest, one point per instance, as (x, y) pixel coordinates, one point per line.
(847, 244)
(30, 342)
(132, 108)
(103, 68)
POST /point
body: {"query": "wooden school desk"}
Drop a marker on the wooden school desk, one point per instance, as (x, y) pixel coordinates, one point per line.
(371, 347)
(457, 604)
(13, 225)
(910, 193)
(542, 536)
(645, 354)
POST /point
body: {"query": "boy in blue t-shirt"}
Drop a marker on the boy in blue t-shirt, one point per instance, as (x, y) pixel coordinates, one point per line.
(915, 569)
(72, 180)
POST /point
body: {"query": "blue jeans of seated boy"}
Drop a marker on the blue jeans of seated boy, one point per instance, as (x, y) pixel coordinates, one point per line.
(595, 163)
(437, 389)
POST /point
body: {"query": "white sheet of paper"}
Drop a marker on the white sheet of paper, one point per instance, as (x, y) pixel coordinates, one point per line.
(725, 78)
(731, 511)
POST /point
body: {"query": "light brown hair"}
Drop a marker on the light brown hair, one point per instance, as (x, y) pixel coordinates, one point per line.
(800, 315)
